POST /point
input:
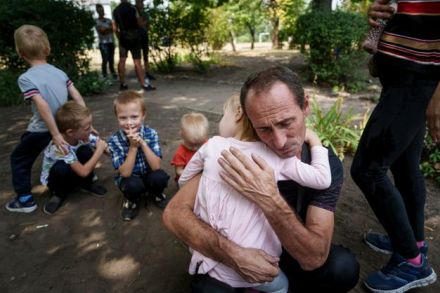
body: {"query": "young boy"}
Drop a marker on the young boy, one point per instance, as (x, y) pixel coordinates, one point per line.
(194, 132)
(64, 172)
(136, 155)
(47, 88)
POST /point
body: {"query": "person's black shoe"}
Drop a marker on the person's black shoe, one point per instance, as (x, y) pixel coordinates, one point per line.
(95, 189)
(149, 87)
(123, 87)
(129, 210)
(52, 205)
(149, 76)
(160, 201)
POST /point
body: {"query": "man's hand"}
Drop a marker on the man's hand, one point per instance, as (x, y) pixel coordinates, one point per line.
(433, 115)
(380, 9)
(251, 177)
(255, 265)
(60, 143)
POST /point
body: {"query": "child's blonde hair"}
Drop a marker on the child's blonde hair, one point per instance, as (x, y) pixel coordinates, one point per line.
(70, 115)
(195, 126)
(233, 104)
(128, 97)
(31, 42)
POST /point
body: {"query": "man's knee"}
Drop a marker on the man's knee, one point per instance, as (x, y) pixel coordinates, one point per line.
(342, 269)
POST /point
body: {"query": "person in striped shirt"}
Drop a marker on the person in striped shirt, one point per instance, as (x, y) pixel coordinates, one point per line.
(46, 88)
(408, 63)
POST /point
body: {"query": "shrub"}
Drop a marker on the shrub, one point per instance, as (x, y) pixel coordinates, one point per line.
(68, 26)
(218, 29)
(9, 93)
(331, 43)
(430, 161)
(337, 130)
(90, 83)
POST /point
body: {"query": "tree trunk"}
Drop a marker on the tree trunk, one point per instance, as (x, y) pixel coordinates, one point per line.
(275, 33)
(252, 32)
(323, 5)
(232, 40)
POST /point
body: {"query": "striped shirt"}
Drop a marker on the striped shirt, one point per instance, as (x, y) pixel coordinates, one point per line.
(412, 37)
(119, 144)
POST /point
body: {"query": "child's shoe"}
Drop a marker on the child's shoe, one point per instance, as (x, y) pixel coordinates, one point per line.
(16, 205)
(160, 201)
(95, 189)
(129, 210)
(52, 205)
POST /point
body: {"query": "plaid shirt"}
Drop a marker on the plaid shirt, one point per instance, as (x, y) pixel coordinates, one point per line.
(119, 144)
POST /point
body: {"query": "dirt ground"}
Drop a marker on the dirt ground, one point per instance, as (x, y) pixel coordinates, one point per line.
(86, 247)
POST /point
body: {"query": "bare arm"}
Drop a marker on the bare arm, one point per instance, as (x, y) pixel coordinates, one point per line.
(46, 115)
(252, 264)
(76, 96)
(433, 115)
(379, 9)
(87, 168)
(178, 170)
(153, 160)
(308, 243)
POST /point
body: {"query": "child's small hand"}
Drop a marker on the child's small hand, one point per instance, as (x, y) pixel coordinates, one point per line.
(133, 138)
(312, 138)
(60, 143)
(101, 145)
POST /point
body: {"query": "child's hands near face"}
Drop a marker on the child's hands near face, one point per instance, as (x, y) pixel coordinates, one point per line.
(312, 138)
(134, 138)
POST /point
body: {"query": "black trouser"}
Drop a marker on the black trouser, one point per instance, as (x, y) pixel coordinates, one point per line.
(340, 273)
(393, 139)
(144, 46)
(23, 157)
(107, 54)
(62, 179)
(154, 182)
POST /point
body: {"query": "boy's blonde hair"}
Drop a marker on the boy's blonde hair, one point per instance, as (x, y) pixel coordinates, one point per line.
(128, 97)
(31, 42)
(233, 104)
(195, 126)
(70, 115)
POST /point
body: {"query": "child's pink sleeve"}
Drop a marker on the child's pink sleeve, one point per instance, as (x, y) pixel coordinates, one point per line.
(194, 166)
(317, 175)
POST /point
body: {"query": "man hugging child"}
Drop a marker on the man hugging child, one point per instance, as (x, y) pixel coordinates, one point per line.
(136, 155)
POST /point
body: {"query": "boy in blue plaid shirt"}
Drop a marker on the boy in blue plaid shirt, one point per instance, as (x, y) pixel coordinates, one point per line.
(136, 155)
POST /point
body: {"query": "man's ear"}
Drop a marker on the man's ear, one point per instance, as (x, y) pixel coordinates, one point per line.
(306, 107)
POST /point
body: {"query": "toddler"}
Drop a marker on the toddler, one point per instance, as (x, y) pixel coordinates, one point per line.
(238, 219)
(194, 132)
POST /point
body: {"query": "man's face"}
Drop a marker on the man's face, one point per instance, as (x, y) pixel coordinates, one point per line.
(278, 120)
(100, 11)
(130, 117)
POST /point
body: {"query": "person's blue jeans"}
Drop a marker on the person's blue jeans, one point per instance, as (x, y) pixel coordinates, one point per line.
(23, 157)
(393, 140)
(107, 53)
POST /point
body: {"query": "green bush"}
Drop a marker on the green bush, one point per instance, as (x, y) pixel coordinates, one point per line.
(430, 162)
(337, 130)
(218, 30)
(9, 93)
(331, 44)
(90, 83)
(68, 26)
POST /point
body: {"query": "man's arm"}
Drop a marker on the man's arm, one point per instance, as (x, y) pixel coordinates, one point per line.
(307, 243)
(380, 9)
(252, 264)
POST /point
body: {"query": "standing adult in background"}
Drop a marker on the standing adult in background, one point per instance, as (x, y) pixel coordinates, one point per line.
(104, 28)
(127, 23)
(143, 32)
(408, 63)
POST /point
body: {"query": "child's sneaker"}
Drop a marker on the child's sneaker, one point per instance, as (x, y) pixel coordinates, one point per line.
(52, 205)
(160, 201)
(129, 210)
(381, 243)
(16, 205)
(400, 276)
(95, 189)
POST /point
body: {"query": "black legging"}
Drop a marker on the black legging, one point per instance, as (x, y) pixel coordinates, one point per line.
(393, 139)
